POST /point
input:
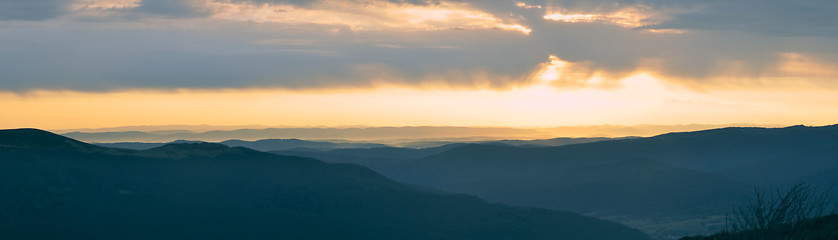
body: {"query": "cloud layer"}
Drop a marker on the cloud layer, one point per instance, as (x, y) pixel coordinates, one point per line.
(102, 45)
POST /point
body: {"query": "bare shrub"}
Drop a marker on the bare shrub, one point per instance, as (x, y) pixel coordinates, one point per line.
(792, 214)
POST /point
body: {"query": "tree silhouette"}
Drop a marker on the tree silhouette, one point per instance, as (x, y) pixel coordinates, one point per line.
(801, 212)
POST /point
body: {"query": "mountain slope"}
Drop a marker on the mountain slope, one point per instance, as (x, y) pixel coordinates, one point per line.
(709, 151)
(633, 187)
(285, 144)
(813, 166)
(33, 138)
(699, 171)
(211, 191)
(371, 157)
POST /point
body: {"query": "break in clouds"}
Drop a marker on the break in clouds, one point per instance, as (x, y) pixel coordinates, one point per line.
(101, 45)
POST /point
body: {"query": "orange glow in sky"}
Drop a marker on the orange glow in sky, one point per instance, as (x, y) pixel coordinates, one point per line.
(641, 99)
(109, 63)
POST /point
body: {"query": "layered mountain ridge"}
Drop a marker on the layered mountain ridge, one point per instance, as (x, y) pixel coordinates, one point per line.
(55, 187)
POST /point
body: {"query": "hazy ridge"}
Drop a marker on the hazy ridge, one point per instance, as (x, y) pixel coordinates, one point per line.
(386, 135)
(689, 178)
(55, 187)
(669, 185)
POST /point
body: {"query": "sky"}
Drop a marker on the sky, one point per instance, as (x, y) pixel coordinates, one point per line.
(105, 63)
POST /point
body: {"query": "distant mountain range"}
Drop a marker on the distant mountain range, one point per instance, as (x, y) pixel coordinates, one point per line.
(387, 135)
(688, 178)
(670, 185)
(53, 187)
(307, 145)
(261, 145)
(355, 134)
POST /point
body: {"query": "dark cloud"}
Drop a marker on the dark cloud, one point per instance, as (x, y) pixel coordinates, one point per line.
(172, 8)
(31, 10)
(734, 39)
(764, 17)
(752, 35)
(231, 56)
(773, 18)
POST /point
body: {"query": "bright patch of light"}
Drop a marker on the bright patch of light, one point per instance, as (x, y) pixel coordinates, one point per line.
(104, 4)
(515, 27)
(627, 17)
(373, 15)
(526, 6)
(572, 18)
(551, 71)
(670, 31)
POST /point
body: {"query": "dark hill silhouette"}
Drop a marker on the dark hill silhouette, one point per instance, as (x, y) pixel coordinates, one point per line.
(293, 144)
(635, 187)
(29, 138)
(710, 151)
(261, 145)
(817, 166)
(553, 142)
(212, 191)
(718, 149)
(285, 144)
(131, 145)
(711, 167)
(371, 157)
(34, 138)
(203, 149)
